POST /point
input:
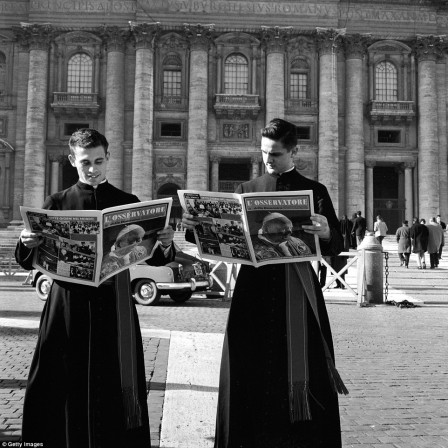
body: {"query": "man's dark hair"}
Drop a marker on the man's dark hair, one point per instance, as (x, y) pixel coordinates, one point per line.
(359, 213)
(87, 138)
(281, 131)
(405, 222)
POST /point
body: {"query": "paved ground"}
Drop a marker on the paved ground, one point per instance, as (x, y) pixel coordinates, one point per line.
(393, 360)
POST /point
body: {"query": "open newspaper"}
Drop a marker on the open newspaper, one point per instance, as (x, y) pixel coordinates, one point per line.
(253, 228)
(90, 246)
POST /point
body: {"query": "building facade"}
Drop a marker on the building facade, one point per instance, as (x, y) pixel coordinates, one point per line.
(182, 88)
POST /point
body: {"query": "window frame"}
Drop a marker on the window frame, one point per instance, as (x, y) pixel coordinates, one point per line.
(226, 74)
(376, 80)
(92, 72)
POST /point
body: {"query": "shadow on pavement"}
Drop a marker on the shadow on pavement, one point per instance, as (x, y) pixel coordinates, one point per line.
(20, 313)
(155, 385)
(12, 384)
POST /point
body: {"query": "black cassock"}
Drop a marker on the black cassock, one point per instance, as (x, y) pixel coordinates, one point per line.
(73, 397)
(253, 391)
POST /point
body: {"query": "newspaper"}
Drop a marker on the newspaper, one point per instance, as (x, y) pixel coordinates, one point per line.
(90, 246)
(253, 228)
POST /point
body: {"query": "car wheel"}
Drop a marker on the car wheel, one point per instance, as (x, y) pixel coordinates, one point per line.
(181, 296)
(146, 292)
(43, 286)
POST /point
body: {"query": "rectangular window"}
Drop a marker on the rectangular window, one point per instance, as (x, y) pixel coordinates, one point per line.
(172, 83)
(69, 128)
(303, 132)
(299, 86)
(389, 136)
(171, 129)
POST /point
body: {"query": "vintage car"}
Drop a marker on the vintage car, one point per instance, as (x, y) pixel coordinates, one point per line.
(178, 279)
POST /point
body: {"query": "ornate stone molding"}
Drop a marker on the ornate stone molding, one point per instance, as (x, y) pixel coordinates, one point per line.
(301, 45)
(170, 179)
(274, 38)
(172, 42)
(34, 36)
(115, 38)
(199, 36)
(171, 163)
(428, 48)
(328, 40)
(144, 34)
(356, 45)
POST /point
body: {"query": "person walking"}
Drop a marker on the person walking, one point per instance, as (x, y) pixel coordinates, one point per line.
(338, 262)
(278, 382)
(419, 240)
(435, 237)
(380, 229)
(443, 225)
(352, 234)
(86, 385)
(359, 228)
(403, 235)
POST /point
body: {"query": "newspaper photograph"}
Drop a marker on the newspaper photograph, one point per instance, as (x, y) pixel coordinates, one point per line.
(253, 228)
(90, 246)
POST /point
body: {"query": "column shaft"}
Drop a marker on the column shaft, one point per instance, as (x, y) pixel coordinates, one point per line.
(35, 151)
(328, 161)
(19, 153)
(197, 169)
(369, 196)
(408, 192)
(142, 156)
(275, 85)
(354, 137)
(428, 144)
(442, 129)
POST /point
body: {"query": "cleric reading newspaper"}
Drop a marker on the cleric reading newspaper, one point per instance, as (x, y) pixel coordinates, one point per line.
(86, 385)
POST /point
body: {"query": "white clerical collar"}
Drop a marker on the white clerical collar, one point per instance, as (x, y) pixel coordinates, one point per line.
(287, 171)
(94, 186)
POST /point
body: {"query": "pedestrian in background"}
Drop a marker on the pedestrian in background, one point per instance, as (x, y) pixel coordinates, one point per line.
(352, 234)
(443, 225)
(359, 228)
(419, 240)
(380, 229)
(278, 383)
(403, 235)
(435, 237)
(340, 261)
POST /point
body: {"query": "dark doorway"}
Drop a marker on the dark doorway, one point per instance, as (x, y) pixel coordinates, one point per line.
(69, 174)
(170, 191)
(233, 173)
(386, 198)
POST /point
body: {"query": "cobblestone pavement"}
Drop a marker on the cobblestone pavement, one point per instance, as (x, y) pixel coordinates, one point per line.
(394, 362)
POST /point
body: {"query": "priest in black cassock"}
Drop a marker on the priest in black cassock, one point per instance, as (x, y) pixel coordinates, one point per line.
(278, 382)
(86, 385)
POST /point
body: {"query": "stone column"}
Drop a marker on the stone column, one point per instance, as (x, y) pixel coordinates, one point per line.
(408, 191)
(427, 49)
(218, 68)
(442, 129)
(274, 39)
(142, 154)
(54, 180)
(39, 38)
(328, 158)
(369, 193)
(22, 95)
(355, 47)
(215, 172)
(199, 37)
(115, 41)
(255, 161)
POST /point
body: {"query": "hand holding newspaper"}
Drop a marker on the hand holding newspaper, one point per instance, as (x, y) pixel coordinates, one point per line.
(90, 246)
(253, 228)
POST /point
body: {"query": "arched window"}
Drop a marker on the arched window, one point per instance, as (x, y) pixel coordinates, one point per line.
(236, 72)
(2, 74)
(172, 76)
(386, 82)
(299, 79)
(80, 74)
